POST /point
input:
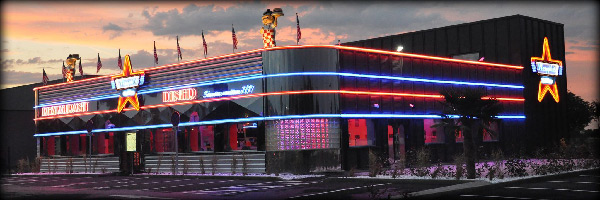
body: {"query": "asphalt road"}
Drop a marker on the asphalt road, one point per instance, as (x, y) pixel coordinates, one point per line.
(137, 187)
(578, 185)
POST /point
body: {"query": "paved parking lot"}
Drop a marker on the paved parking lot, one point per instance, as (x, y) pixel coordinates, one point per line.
(134, 187)
(579, 185)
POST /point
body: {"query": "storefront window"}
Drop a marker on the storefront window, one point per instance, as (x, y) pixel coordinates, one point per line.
(297, 134)
(164, 140)
(433, 135)
(361, 132)
(202, 138)
(104, 142)
(243, 136)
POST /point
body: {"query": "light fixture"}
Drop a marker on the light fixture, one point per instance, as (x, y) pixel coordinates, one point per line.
(400, 47)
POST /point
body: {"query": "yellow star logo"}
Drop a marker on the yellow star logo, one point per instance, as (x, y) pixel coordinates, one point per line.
(129, 86)
(544, 86)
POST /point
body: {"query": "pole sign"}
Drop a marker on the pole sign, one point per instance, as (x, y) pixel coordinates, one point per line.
(131, 141)
(89, 126)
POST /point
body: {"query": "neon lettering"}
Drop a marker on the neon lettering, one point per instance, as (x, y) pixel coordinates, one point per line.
(180, 95)
(65, 109)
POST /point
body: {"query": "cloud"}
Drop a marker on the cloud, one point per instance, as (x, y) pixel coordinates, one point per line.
(192, 19)
(12, 77)
(10, 63)
(115, 30)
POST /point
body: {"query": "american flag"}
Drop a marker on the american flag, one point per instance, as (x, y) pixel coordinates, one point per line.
(80, 68)
(204, 44)
(155, 55)
(235, 41)
(120, 62)
(99, 64)
(44, 77)
(298, 32)
(179, 49)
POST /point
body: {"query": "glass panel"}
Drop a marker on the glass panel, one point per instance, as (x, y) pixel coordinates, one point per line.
(295, 134)
(360, 132)
(433, 135)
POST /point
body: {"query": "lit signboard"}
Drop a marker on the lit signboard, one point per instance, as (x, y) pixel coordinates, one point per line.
(548, 69)
(65, 109)
(246, 89)
(131, 141)
(551, 69)
(180, 95)
(127, 83)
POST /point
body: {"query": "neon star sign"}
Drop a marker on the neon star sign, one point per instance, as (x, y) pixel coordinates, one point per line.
(127, 84)
(548, 69)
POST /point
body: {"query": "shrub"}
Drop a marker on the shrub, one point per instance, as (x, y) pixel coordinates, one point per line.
(459, 161)
(202, 169)
(22, 166)
(85, 167)
(36, 165)
(375, 166)
(69, 166)
(233, 164)
(422, 163)
(186, 166)
(244, 164)
(352, 172)
(160, 157)
(173, 165)
(516, 168)
(213, 164)
(95, 165)
(437, 171)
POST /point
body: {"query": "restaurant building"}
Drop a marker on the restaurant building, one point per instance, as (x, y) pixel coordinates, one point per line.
(315, 107)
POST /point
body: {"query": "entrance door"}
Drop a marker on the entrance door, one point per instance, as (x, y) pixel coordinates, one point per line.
(396, 142)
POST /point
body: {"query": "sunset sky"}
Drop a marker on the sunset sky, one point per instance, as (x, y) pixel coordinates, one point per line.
(38, 35)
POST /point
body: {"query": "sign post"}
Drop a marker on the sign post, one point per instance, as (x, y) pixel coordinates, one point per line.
(89, 126)
(131, 147)
(175, 122)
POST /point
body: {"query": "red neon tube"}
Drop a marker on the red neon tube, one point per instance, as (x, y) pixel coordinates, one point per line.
(268, 94)
(307, 46)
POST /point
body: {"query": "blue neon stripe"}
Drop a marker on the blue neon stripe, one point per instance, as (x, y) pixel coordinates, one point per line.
(258, 76)
(141, 91)
(249, 119)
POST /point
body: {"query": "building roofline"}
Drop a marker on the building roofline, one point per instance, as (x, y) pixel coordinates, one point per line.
(458, 25)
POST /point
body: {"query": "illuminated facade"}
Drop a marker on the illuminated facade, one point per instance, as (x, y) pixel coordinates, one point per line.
(319, 106)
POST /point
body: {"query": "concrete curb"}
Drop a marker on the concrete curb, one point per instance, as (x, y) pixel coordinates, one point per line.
(436, 193)
(210, 177)
(58, 175)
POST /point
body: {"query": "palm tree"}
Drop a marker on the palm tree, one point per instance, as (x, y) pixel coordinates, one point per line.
(470, 107)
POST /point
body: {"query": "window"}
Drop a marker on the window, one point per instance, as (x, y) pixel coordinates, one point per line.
(360, 132)
(433, 135)
(243, 136)
(467, 56)
(297, 134)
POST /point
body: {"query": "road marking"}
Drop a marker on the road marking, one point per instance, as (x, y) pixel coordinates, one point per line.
(538, 188)
(587, 182)
(137, 197)
(557, 181)
(474, 195)
(587, 175)
(306, 195)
